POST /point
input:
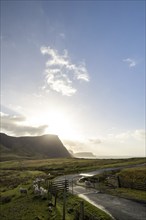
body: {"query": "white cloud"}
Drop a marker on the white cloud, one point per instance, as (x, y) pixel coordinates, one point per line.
(2, 114)
(139, 134)
(123, 137)
(14, 124)
(131, 62)
(95, 141)
(128, 143)
(61, 72)
(62, 35)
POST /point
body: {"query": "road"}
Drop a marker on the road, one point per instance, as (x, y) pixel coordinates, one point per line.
(118, 208)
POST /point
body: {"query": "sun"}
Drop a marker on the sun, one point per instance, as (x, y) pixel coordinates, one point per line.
(58, 122)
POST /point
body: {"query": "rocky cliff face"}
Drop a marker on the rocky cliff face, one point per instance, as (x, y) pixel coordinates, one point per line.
(46, 146)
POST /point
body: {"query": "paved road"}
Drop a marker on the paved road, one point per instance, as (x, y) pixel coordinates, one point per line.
(119, 208)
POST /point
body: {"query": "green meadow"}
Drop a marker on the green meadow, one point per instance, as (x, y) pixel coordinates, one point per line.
(68, 165)
(22, 173)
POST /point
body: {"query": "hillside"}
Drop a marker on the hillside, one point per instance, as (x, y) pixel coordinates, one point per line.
(46, 146)
(84, 155)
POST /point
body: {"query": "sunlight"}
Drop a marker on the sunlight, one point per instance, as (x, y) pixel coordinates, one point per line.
(57, 121)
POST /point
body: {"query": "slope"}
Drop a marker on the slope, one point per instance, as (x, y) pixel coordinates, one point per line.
(46, 146)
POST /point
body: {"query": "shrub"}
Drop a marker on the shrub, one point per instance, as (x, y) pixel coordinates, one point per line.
(5, 199)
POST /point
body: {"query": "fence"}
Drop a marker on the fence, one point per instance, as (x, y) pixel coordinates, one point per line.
(118, 181)
(58, 186)
(132, 184)
(81, 214)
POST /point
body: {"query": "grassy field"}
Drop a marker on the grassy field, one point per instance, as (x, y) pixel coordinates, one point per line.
(33, 208)
(68, 165)
(16, 206)
(133, 183)
(137, 174)
(137, 195)
(16, 174)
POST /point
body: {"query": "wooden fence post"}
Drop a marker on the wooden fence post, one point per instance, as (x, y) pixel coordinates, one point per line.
(64, 203)
(119, 182)
(82, 210)
(55, 199)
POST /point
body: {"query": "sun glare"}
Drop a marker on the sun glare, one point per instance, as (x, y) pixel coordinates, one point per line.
(58, 123)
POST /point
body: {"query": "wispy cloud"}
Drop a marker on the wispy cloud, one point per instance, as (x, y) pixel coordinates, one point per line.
(131, 62)
(62, 35)
(95, 141)
(61, 72)
(127, 143)
(138, 135)
(14, 124)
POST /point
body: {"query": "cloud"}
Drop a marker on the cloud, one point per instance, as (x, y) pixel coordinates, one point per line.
(95, 141)
(62, 35)
(133, 135)
(61, 72)
(127, 143)
(131, 62)
(82, 145)
(139, 134)
(14, 124)
(75, 145)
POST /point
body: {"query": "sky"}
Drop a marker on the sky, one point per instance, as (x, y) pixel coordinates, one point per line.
(75, 69)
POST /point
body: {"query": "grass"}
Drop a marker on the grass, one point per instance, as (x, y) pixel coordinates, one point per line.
(32, 207)
(74, 201)
(16, 174)
(133, 194)
(10, 180)
(131, 177)
(68, 165)
(137, 175)
(24, 207)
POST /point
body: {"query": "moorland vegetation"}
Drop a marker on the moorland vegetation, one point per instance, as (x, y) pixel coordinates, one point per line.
(21, 173)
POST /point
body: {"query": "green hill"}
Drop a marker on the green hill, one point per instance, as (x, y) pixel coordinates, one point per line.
(37, 147)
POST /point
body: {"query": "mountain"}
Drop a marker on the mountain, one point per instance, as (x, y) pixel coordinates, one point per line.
(84, 155)
(28, 147)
